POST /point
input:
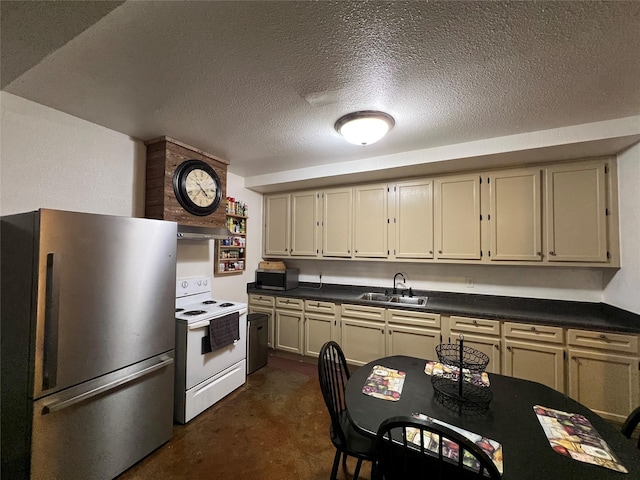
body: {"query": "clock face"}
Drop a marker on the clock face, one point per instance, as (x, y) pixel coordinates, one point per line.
(197, 187)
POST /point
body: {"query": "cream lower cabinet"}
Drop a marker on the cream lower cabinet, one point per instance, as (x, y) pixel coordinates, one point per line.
(536, 353)
(362, 333)
(319, 325)
(603, 372)
(478, 333)
(289, 321)
(264, 304)
(414, 334)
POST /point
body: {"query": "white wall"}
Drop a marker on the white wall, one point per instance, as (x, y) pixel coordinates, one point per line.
(52, 160)
(623, 289)
(195, 258)
(533, 282)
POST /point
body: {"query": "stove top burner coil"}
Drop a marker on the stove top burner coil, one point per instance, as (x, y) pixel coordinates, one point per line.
(226, 304)
(179, 310)
(193, 313)
(209, 302)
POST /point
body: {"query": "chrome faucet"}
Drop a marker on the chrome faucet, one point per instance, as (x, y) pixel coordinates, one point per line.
(395, 277)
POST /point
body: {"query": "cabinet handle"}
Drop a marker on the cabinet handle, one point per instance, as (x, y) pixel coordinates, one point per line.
(439, 251)
(431, 251)
(552, 254)
(390, 332)
(382, 332)
(508, 347)
(603, 336)
(475, 322)
(533, 329)
(573, 357)
(539, 254)
(497, 346)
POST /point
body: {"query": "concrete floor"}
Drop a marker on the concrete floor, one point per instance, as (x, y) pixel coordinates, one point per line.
(276, 426)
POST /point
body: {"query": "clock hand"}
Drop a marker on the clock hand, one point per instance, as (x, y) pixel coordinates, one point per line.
(203, 191)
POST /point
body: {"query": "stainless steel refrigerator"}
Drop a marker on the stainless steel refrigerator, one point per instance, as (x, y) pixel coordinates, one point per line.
(87, 312)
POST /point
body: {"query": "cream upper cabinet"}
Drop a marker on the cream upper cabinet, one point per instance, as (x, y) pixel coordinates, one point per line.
(277, 227)
(576, 210)
(305, 223)
(457, 217)
(413, 219)
(370, 221)
(514, 219)
(337, 222)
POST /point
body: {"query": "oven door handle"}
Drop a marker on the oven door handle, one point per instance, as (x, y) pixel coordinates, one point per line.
(200, 324)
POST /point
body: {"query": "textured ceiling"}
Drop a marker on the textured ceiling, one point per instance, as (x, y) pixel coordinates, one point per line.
(261, 84)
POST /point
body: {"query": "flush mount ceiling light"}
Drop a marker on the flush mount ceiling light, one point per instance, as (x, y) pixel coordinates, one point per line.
(364, 128)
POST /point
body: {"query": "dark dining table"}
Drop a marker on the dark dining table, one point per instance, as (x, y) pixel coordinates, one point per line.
(509, 419)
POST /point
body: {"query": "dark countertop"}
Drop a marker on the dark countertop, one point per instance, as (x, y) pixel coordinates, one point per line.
(568, 314)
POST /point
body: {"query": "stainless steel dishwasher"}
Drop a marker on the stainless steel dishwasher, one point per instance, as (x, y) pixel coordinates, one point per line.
(257, 341)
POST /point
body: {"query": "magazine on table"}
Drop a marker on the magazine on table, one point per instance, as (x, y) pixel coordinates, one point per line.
(431, 441)
(572, 435)
(385, 383)
(452, 372)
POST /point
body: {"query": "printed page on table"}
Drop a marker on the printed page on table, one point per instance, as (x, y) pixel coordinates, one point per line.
(492, 448)
(385, 383)
(572, 435)
(451, 372)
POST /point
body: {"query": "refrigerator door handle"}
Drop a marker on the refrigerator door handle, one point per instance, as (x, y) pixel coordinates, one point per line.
(51, 317)
(56, 406)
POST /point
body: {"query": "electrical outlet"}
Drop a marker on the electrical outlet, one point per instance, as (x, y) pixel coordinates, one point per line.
(469, 282)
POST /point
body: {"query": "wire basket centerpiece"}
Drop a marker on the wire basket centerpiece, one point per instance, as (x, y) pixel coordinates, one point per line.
(464, 392)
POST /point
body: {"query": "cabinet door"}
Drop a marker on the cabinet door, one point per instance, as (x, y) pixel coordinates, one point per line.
(457, 217)
(490, 346)
(414, 219)
(371, 221)
(416, 342)
(337, 222)
(276, 226)
(317, 331)
(289, 331)
(607, 383)
(304, 223)
(362, 340)
(515, 220)
(576, 212)
(536, 362)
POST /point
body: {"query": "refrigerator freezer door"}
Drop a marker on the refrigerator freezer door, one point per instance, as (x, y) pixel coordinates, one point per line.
(100, 428)
(106, 293)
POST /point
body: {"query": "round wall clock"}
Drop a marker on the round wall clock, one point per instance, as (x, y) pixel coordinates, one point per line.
(197, 187)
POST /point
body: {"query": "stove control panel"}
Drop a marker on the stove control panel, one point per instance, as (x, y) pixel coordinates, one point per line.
(192, 286)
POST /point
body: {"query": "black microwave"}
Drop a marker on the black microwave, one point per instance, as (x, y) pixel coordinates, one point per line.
(277, 279)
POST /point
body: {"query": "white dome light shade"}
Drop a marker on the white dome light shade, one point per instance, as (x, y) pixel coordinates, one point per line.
(364, 128)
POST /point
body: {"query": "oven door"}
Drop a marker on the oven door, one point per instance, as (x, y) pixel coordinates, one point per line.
(200, 364)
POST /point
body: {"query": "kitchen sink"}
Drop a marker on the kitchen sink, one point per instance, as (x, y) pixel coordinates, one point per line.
(379, 297)
(409, 300)
(375, 297)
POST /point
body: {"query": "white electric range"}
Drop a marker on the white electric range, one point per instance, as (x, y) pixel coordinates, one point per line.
(205, 375)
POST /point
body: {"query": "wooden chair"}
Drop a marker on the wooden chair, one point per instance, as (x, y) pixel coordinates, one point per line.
(333, 374)
(400, 458)
(631, 423)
